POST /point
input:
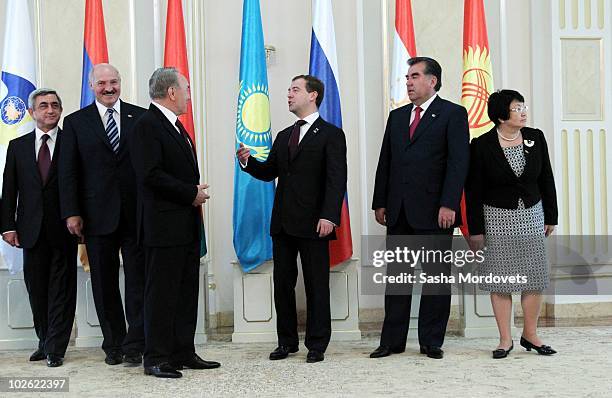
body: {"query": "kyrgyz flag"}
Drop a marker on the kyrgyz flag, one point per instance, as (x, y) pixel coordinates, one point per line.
(477, 81)
(404, 48)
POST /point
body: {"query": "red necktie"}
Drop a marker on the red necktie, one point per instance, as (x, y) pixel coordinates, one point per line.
(44, 159)
(415, 122)
(294, 139)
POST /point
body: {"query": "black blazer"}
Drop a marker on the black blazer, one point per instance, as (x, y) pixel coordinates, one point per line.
(96, 183)
(491, 180)
(311, 186)
(29, 207)
(427, 172)
(167, 177)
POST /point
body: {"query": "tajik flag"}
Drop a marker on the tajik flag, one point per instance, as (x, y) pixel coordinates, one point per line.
(404, 48)
(477, 81)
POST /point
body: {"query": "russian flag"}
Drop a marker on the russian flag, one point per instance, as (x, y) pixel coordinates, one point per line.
(324, 65)
(94, 46)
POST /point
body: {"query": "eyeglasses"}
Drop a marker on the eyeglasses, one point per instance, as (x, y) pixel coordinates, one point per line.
(520, 109)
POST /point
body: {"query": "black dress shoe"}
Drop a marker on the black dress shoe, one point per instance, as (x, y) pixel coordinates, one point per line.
(114, 358)
(542, 350)
(282, 352)
(163, 370)
(38, 355)
(432, 351)
(381, 352)
(314, 356)
(195, 362)
(133, 358)
(53, 361)
(501, 353)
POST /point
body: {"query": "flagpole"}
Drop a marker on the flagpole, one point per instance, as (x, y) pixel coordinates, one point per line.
(387, 61)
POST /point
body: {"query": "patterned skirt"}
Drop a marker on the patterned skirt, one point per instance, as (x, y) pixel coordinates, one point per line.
(514, 240)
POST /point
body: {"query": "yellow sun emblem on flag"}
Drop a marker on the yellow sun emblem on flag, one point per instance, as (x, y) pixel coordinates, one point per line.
(477, 85)
(253, 119)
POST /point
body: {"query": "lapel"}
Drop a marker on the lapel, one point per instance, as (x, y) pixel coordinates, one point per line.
(310, 134)
(127, 121)
(427, 118)
(54, 158)
(529, 150)
(30, 156)
(176, 136)
(498, 153)
(93, 118)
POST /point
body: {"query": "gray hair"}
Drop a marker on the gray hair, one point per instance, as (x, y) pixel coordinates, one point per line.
(91, 72)
(161, 80)
(39, 92)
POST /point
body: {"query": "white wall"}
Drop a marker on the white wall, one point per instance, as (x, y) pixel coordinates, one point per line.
(214, 29)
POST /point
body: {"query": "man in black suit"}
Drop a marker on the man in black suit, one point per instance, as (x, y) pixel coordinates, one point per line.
(170, 199)
(309, 159)
(421, 171)
(31, 220)
(98, 202)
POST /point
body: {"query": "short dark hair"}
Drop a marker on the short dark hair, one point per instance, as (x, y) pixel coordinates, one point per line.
(432, 67)
(499, 104)
(313, 84)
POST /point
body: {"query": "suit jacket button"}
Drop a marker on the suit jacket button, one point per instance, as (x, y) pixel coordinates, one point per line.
(288, 174)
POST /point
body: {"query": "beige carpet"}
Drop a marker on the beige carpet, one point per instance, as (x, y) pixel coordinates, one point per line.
(582, 368)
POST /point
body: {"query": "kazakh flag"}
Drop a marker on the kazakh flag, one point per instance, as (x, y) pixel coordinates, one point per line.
(252, 198)
(18, 80)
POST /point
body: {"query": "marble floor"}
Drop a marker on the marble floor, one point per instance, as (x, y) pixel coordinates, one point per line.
(582, 368)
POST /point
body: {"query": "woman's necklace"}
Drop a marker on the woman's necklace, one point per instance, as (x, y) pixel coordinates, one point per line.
(509, 139)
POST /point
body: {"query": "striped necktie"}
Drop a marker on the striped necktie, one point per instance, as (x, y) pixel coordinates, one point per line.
(112, 131)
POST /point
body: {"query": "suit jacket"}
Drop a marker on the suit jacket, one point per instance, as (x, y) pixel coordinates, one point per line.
(96, 183)
(427, 172)
(167, 176)
(28, 206)
(491, 180)
(310, 186)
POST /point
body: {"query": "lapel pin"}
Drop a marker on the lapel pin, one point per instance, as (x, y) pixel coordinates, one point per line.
(529, 143)
(315, 131)
(129, 115)
(433, 115)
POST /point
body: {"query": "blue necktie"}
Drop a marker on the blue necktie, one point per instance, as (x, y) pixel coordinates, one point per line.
(112, 130)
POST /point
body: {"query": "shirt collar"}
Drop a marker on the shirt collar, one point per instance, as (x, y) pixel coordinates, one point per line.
(426, 104)
(167, 113)
(52, 133)
(310, 119)
(102, 108)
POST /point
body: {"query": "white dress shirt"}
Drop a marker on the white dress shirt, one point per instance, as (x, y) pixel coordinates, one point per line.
(50, 141)
(102, 109)
(424, 107)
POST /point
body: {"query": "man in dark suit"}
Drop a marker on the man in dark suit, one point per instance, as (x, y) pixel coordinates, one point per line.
(31, 220)
(98, 202)
(309, 159)
(170, 197)
(421, 171)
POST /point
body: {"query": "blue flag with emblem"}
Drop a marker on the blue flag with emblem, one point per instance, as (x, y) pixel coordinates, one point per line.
(18, 80)
(252, 198)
